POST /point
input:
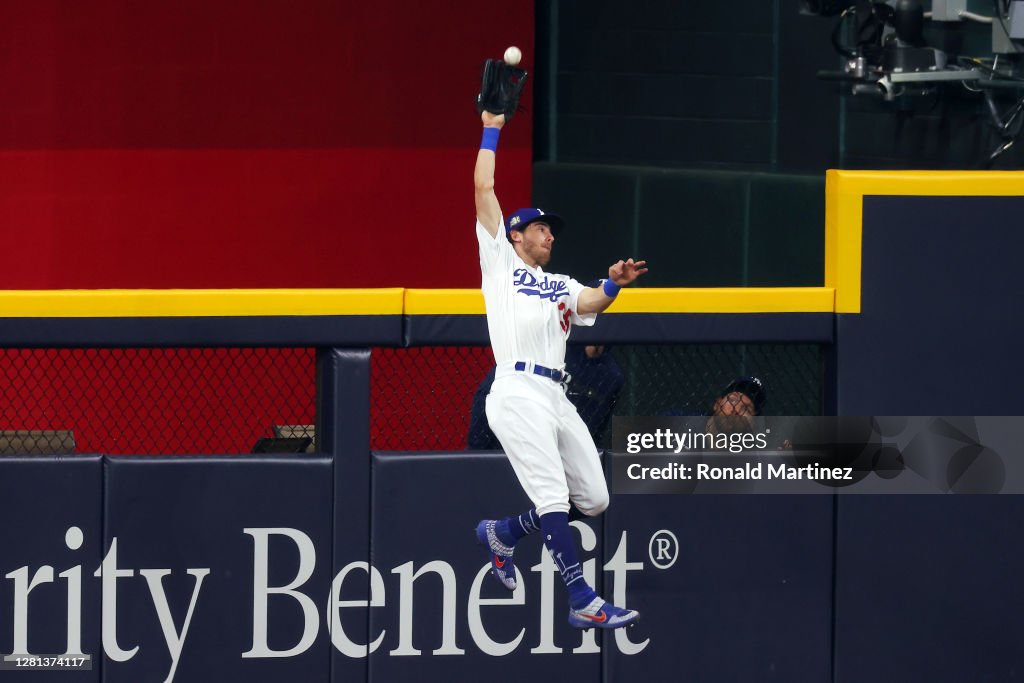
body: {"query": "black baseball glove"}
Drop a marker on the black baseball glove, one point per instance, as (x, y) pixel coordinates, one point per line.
(500, 88)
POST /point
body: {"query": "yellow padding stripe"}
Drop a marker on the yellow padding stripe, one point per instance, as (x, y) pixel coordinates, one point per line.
(142, 303)
(934, 183)
(844, 203)
(844, 213)
(132, 303)
(667, 300)
(444, 302)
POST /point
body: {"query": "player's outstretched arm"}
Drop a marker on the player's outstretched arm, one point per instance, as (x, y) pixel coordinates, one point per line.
(488, 212)
(620, 274)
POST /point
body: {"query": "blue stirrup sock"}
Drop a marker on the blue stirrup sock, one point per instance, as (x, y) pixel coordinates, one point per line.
(511, 529)
(562, 548)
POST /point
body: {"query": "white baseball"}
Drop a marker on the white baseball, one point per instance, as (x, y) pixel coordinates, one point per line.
(513, 55)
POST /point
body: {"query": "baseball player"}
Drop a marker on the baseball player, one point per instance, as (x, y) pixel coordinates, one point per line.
(529, 315)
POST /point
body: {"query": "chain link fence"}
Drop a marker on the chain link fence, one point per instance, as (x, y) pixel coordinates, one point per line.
(243, 400)
(157, 400)
(423, 397)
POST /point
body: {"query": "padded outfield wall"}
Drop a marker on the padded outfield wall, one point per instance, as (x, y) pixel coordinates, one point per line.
(352, 564)
(927, 323)
(370, 571)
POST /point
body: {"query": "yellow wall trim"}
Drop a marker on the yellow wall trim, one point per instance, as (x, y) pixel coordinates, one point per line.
(132, 303)
(844, 209)
(140, 303)
(664, 300)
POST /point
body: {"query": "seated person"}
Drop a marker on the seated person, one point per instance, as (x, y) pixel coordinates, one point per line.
(594, 388)
(734, 407)
(743, 396)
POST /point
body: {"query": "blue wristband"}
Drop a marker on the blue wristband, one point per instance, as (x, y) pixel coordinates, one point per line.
(490, 139)
(611, 289)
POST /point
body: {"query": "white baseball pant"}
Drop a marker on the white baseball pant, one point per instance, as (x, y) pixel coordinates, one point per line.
(547, 442)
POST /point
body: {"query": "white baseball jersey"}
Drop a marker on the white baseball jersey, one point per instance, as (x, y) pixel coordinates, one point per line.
(529, 316)
(529, 312)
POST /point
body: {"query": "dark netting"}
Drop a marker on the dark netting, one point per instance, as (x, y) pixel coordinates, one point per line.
(423, 398)
(240, 400)
(153, 401)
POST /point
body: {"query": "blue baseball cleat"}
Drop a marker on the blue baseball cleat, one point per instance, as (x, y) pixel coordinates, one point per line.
(601, 614)
(502, 567)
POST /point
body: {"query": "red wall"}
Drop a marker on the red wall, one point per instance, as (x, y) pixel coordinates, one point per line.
(245, 143)
(207, 143)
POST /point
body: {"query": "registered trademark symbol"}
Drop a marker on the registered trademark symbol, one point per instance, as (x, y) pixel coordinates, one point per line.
(663, 549)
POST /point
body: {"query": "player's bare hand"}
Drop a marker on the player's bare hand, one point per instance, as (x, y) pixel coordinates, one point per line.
(492, 120)
(626, 272)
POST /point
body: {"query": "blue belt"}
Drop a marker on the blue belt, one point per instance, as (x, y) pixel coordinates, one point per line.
(553, 375)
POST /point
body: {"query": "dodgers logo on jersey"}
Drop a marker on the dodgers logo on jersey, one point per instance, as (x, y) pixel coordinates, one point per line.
(547, 288)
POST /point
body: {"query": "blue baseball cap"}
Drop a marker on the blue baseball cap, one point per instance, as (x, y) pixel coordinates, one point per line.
(523, 217)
